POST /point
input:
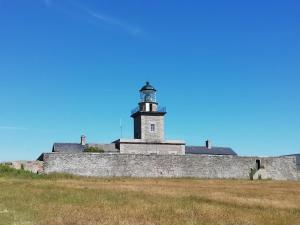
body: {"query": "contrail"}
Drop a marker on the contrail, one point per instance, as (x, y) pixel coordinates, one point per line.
(73, 7)
(113, 21)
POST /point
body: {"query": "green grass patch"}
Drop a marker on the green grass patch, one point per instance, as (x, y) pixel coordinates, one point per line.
(94, 150)
(7, 171)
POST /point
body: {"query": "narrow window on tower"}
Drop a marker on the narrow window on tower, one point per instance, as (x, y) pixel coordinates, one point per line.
(152, 127)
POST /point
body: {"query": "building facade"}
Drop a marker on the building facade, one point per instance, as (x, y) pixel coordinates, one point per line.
(149, 154)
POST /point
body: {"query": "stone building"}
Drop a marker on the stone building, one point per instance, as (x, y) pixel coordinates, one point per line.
(148, 134)
(149, 154)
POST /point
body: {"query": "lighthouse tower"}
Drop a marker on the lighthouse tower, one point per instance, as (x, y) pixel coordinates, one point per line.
(148, 117)
(149, 130)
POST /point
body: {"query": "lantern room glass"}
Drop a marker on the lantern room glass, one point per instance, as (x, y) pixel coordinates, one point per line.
(148, 96)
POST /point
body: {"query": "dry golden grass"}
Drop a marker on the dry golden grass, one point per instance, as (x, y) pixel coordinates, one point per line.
(84, 201)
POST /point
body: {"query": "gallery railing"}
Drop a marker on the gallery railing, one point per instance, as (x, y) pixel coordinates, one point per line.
(161, 109)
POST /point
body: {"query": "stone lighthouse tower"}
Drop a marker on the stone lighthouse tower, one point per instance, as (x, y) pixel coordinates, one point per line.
(149, 131)
(148, 116)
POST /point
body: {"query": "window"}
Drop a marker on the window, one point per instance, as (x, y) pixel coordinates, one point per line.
(152, 127)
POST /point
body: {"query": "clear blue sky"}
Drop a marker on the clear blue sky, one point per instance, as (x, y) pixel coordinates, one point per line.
(226, 70)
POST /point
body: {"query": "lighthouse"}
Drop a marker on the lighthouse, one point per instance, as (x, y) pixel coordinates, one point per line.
(149, 128)
(148, 117)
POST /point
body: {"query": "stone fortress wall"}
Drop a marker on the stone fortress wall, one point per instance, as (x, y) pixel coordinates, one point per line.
(197, 166)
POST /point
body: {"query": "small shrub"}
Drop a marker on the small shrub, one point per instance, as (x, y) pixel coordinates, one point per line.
(251, 174)
(94, 149)
(22, 166)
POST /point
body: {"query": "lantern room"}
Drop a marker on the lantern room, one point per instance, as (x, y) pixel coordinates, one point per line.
(148, 93)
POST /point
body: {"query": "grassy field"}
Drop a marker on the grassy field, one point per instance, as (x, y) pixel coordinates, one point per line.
(60, 199)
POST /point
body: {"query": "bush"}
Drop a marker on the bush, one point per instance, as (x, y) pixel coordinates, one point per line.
(94, 149)
(252, 172)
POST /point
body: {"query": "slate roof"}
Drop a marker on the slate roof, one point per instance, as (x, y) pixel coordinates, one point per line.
(68, 147)
(207, 151)
(148, 87)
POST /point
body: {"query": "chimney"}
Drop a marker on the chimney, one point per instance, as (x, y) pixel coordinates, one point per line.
(208, 144)
(83, 140)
